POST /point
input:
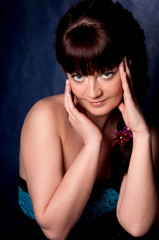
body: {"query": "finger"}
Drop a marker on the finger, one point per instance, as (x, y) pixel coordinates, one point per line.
(69, 101)
(124, 77)
(65, 94)
(127, 93)
(70, 107)
(67, 98)
(68, 91)
(127, 69)
(73, 111)
(121, 68)
(121, 107)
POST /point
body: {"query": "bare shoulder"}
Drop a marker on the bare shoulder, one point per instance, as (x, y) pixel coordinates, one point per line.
(40, 140)
(47, 111)
(52, 105)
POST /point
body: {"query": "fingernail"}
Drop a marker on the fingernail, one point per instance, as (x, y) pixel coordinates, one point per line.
(125, 59)
(124, 74)
(67, 82)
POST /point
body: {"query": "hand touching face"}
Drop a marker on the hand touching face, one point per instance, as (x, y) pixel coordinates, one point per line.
(129, 108)
(99, 93)
(89, 132)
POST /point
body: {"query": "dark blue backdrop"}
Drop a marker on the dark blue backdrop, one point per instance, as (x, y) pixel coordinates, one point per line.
(29, 71)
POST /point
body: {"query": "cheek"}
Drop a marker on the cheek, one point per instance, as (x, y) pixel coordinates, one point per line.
(117, 90)
(77, 91)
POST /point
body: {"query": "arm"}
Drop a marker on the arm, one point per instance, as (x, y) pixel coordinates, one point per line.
(137, 207)
(58, 198)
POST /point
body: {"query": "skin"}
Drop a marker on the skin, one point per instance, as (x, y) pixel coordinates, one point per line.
(61, 141)
(96, 88)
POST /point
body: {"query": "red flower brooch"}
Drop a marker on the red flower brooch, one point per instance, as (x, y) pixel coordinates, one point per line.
(124, 136)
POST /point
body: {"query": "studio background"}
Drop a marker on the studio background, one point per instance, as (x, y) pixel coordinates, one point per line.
(29, 71)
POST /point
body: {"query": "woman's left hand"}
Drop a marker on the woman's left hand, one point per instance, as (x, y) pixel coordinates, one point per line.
(129, 107)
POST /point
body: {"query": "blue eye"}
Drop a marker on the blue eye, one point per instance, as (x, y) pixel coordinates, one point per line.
(107, 75)
(77, 78)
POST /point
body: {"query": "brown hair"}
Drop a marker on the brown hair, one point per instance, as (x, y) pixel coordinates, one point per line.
(95, 35)
(87, 47)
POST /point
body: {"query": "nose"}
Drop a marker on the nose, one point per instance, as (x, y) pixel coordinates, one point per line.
(94, 90)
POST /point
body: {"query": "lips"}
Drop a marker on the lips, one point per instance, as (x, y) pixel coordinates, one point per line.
(98, 103)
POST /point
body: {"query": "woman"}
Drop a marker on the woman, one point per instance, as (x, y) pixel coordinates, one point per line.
(88, 155)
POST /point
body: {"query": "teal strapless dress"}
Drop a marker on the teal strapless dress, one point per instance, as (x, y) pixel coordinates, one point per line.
(103, 199)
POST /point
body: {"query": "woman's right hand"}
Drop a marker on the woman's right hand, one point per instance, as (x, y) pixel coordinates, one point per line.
(84, 126)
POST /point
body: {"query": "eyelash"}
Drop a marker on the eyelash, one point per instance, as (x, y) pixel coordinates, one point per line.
(74, 76)
(79, 78)
(108, 73)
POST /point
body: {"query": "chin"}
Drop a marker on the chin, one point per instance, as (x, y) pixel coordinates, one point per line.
(99, 112)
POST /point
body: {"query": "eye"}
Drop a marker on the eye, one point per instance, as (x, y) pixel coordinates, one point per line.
(77, 78)
(107, 75)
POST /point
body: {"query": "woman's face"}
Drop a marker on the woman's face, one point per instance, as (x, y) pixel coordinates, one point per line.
(99, 94)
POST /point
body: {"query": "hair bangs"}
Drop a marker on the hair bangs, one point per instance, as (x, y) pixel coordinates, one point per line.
(87, 49)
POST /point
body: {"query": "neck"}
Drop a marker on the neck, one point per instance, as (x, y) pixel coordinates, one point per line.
(102, 121)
